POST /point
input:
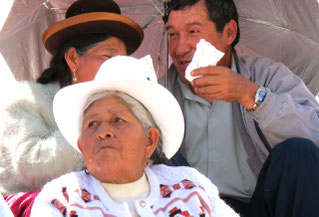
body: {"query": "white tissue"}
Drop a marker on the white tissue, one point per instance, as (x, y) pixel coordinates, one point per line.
(205, 55)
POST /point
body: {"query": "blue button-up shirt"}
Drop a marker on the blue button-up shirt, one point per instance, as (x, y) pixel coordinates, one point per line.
(214, 146)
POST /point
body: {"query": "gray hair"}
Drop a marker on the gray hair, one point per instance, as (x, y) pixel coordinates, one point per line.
(142, 114)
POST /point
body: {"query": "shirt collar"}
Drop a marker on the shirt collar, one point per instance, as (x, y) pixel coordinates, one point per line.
(233, 64)
(151, 199)
(188, 94)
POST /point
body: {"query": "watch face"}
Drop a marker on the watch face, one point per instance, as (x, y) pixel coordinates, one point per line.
(259, 98)
(261, 94)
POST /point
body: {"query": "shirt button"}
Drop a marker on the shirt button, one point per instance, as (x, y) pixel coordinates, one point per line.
(142, 203)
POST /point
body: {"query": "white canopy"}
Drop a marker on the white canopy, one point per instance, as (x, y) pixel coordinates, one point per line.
(286, 31)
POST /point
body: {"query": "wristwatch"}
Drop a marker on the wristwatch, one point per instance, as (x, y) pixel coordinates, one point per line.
(259, 98)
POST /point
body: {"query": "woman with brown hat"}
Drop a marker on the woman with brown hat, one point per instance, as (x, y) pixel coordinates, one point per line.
(32, 149)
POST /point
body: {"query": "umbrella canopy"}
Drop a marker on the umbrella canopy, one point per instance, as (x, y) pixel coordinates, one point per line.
(20, 38)
(286, 31)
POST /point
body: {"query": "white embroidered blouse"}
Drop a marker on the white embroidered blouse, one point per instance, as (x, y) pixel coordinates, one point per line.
(174, 191)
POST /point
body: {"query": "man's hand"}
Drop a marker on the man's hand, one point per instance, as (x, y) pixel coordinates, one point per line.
(218, 82)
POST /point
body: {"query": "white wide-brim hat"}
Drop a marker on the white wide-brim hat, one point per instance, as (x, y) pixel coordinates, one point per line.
(137, 78)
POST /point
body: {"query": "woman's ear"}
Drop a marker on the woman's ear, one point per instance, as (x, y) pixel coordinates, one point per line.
(230, 31)
(72, 58)
(152, 139)
(79, 145)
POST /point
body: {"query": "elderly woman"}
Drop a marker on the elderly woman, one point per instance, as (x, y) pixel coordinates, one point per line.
(126, 126)
(32, 149)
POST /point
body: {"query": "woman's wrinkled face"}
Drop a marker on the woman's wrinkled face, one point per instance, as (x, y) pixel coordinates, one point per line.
(91, 61)
(113, 142)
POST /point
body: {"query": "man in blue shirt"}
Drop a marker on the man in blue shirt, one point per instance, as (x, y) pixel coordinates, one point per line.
(242, 112)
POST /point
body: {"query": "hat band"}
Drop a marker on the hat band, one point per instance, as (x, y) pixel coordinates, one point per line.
(89, 17)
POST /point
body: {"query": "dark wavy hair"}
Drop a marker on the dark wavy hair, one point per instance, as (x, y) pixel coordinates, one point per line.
(59, 70)
(220, 12)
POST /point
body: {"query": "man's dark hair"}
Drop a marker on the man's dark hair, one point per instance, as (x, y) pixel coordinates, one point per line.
(59, 70)
(220, 12)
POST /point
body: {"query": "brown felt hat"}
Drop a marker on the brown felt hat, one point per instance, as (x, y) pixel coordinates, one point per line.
(93, 16)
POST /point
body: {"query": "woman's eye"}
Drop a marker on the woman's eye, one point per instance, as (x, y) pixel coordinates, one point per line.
(92, 123)
(118, 120)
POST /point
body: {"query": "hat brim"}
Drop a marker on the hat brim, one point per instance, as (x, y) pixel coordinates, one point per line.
(97, 22)
(162, 105)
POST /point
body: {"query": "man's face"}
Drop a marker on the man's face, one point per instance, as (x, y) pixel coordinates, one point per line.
(185, 28)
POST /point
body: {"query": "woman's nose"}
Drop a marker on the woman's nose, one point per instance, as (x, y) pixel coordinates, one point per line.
(105, 132)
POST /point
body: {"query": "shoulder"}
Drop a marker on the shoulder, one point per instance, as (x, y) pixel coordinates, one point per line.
(35, 87)
(56, 192)
(67, 180)
(43, 91)
(174, 174)
(54, 188)
(29, 97)
(262, 67)
(162, 170)
(186, 182)
(265, 71)
(251, 61)
(263, 64)
(30, 91)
